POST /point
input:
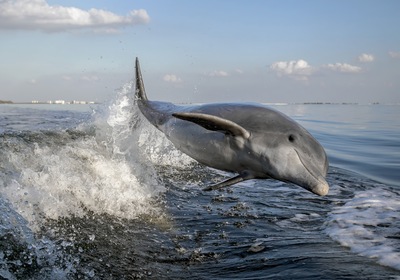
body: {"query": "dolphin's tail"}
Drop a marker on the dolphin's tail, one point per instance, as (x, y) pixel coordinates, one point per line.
(140, 90)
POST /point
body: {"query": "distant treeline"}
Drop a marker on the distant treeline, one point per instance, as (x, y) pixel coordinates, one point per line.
(5, 102)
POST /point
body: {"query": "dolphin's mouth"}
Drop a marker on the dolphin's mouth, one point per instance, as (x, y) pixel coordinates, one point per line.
(318, 184)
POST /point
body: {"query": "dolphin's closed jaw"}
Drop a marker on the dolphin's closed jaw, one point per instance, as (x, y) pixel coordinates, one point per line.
(321, 189)
(314, 175)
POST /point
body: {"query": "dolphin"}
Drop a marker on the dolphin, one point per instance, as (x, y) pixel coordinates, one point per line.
(252, 140)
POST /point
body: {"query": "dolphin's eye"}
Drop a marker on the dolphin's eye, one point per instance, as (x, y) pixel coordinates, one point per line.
(291, 138)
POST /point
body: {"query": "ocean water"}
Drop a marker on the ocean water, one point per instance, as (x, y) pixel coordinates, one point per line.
(98, 193)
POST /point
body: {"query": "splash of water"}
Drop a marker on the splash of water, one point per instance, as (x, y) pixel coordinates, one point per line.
(105, 166)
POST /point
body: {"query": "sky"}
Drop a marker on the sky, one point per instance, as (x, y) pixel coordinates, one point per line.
(268, 51)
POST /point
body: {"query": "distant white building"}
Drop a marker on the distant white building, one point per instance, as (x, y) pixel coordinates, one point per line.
(78, 102)
(60, 101)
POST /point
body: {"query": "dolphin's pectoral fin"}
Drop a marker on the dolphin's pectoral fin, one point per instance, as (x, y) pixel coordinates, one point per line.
(241, 177)
(214, 123)
(226, 183)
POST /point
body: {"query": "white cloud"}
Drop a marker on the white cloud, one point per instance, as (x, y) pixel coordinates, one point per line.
(172, 78)
(66, 78)
(90, 78)
(394, 54)
(366, 57)
(218, 73)
(344, 68)
(299, 70)
(32, 81)
(39, 15)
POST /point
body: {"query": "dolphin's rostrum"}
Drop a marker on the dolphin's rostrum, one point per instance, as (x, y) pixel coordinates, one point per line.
(249, 139)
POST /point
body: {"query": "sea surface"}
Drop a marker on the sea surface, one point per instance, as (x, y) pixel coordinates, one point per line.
(95, 192)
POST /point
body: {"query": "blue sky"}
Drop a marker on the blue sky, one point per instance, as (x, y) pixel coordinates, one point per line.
(202, 51)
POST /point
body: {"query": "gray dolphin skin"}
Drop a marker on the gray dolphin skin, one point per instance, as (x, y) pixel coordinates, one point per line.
(251, 140)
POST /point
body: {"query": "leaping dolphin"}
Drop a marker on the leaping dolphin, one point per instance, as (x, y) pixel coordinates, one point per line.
(249, 139)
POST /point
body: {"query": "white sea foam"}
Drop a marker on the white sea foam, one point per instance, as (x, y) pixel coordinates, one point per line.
(369, 224)
(66, 180)
(109, 171)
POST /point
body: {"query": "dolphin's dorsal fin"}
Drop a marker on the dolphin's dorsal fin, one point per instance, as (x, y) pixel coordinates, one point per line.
(140, 90)
(214, 123)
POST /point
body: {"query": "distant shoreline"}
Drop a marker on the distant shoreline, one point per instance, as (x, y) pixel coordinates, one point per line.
(50, 102)
(62, 102)
(6, 102)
